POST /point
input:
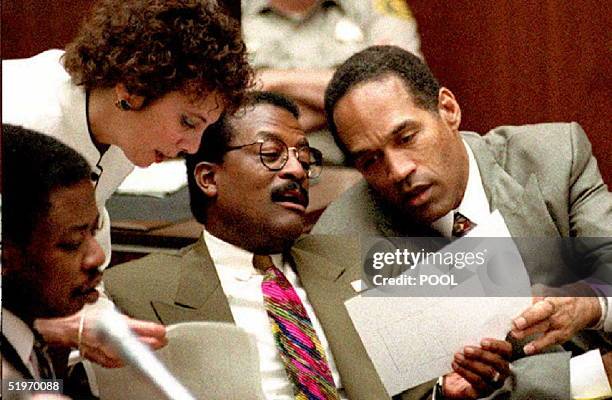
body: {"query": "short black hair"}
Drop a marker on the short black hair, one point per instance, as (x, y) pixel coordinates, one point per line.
(33, 165)
(374, 63)
(217, 137)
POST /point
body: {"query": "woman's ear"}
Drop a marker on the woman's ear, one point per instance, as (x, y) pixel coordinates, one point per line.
(205, 177)
(126, 101)
(448, 108)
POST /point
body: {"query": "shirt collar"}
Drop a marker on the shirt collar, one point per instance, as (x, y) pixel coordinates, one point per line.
(235, 261)
(19, 335)
(474, 204)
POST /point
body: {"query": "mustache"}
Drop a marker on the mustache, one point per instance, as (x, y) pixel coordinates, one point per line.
(279, 191)
(405, 184)
(93, 278)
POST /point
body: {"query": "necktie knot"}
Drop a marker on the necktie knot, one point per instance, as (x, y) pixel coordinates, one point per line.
(462, 225)
(262, 262)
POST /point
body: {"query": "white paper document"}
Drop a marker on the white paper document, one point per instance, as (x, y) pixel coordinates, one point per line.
(412, 339)
(213, 360)
(588, 377)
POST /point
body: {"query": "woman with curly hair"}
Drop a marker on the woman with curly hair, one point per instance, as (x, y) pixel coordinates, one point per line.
(138, 85)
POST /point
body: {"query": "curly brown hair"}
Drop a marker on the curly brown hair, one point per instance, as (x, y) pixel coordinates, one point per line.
(154, 47)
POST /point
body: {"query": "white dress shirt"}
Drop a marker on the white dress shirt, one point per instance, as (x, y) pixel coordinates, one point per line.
(474, 205)
(241, 283)
(21, 337)
(587, 370)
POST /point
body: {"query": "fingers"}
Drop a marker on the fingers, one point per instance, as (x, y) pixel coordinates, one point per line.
(97, 350)
(540, 327)
(147, 328)
(150, 333)
(485, 367)
(550, 338)
(482, 362)
(153, 343)
(473, 378)
(534, 314)
(102, 355)
(500, 347)
(558, 318)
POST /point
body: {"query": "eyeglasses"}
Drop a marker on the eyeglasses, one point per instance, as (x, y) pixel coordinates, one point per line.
(274, 155)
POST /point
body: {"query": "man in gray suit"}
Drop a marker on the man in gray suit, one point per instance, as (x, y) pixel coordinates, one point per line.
(249, 187)
(423, 177)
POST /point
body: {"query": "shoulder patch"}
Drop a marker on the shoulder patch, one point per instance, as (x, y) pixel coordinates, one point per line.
(393, 8)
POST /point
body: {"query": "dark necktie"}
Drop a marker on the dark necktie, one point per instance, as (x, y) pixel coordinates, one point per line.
(461, 225)
(45, 365)
(295, 337)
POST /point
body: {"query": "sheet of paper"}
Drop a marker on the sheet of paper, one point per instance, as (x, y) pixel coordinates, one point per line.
(411, 339)
(213, 360)
(156, 180)
(588, 377)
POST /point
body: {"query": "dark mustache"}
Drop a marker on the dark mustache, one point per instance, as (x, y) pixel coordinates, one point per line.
(280, 190)
(93, 275)
(406, 183)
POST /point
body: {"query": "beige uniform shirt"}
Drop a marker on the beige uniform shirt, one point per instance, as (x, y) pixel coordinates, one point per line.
(331, 32)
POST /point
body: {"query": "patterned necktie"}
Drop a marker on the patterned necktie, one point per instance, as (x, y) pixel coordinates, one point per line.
(298, 344)
(462, 225)
(45, 365)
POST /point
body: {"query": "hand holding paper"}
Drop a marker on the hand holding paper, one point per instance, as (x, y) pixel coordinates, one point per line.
(478, 371)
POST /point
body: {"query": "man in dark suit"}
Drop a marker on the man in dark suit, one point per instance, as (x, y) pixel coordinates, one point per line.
(423, 177)
(50, 257)
(249, 187)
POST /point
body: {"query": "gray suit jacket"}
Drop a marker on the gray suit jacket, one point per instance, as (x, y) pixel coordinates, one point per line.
(545, 182)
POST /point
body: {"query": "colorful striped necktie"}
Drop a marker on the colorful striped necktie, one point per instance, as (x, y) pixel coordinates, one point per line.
(462, 225)
(298, 344)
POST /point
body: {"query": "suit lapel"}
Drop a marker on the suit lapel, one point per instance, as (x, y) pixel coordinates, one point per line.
(199, 295)
(522, 207)
(327, 281)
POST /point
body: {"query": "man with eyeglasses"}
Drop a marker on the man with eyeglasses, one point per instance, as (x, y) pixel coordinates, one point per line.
(249, 187)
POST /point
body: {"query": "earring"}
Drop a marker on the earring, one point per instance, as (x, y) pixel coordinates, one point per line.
(123, 105)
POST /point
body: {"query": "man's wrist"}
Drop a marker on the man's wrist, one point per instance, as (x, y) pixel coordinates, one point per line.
(59, 331)
(438, 392)
(601, 303)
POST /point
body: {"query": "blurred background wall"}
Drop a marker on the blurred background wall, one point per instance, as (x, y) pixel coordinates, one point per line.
(507, 61)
